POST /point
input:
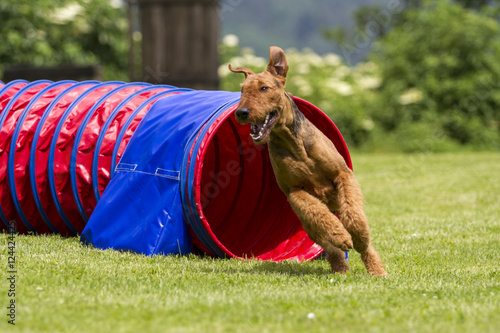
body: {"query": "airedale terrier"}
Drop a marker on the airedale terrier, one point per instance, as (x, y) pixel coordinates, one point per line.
(308, 168)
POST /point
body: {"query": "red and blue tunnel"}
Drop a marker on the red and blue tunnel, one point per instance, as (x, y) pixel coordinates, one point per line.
(153, 169)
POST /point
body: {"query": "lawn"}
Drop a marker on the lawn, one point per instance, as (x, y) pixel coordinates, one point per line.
(435, 220)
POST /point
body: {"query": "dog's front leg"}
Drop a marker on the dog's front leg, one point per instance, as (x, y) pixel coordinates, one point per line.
(323, 227)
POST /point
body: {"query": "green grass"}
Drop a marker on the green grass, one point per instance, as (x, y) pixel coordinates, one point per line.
(435, 220)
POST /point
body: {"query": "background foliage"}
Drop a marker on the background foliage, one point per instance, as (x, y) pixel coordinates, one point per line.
(432, 82)
(289, 23)
(441, 75)
(52, 32)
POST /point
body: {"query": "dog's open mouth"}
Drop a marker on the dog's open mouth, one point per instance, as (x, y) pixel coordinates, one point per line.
(260, 130)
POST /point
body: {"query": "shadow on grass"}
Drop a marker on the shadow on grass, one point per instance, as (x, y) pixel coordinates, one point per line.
(292, 268)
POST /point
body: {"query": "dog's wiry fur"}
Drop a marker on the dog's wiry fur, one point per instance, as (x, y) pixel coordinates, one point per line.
(309, 170)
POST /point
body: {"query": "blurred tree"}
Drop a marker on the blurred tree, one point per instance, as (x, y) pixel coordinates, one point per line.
(374, 21)
(52, 32)
(441, 68)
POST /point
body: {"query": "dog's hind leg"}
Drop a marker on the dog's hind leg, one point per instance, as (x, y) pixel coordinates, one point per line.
(323, 227)
(353, 218)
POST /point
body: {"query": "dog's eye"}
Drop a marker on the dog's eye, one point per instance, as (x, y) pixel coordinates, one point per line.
(264, 88)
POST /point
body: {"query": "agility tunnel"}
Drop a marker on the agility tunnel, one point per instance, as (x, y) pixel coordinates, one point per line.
(152, 169)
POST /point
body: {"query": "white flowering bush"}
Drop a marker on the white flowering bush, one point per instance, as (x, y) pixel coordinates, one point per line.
(345, 94)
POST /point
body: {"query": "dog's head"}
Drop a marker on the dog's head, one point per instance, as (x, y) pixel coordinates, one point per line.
(263, 96)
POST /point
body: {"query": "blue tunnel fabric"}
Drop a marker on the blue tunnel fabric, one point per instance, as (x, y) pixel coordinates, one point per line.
(79, 134)
(141, 208)
(108, 122)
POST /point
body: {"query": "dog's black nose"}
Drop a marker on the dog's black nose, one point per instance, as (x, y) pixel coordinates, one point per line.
(242, 113)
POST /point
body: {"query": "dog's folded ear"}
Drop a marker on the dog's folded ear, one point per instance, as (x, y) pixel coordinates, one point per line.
(277, 62)
(245, 71)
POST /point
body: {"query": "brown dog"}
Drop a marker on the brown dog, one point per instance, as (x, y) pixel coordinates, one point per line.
(307, 166)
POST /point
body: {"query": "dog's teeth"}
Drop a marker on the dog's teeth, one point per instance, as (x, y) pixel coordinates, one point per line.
(258, 135)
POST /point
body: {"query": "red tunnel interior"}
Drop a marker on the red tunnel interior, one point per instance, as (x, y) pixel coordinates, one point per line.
(238, 193)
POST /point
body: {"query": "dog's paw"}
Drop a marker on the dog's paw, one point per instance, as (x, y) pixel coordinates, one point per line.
(342, 241)
(379, 272)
